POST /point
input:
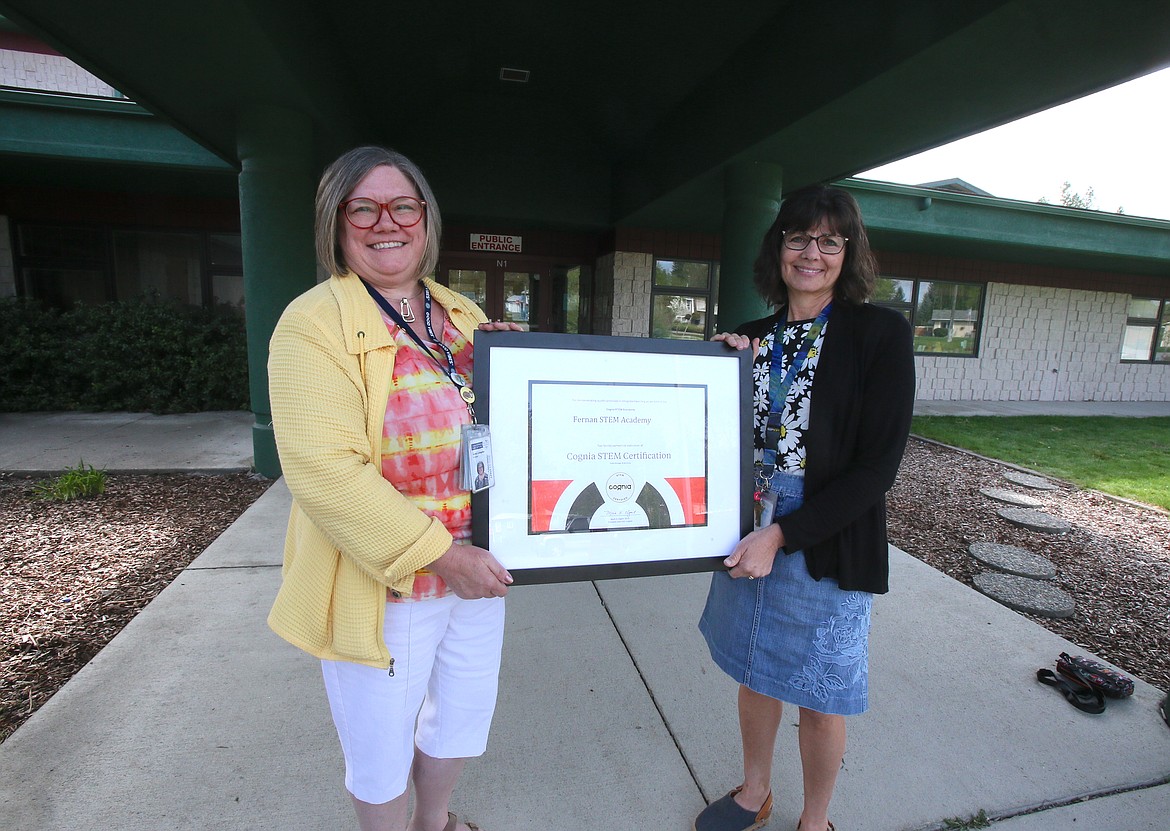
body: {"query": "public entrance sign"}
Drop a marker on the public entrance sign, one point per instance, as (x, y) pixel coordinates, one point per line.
(496, 242)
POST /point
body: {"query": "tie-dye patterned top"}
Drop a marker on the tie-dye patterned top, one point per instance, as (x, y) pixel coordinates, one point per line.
(420, 441)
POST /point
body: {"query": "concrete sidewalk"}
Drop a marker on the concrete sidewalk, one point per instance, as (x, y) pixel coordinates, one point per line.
(611, 715)
(44, 443)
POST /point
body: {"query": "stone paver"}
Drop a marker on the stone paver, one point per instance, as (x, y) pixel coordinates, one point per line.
(1013, 560)
(1020, 500)
(1024, 594)
(1039, 483)
(1035, 520)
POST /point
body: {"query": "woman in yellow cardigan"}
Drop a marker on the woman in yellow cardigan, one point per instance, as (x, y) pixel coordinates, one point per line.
(369, 375)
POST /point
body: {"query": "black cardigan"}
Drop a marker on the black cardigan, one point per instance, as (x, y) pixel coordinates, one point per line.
(859, 418)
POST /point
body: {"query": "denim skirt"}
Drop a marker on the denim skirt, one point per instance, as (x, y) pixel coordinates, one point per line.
(788, 636)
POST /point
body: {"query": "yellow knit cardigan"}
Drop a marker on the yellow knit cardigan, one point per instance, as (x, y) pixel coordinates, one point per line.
(350, 534)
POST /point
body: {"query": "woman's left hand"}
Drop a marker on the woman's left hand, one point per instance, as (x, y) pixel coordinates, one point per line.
(500, 326)
(472, 572)
(739, 342)
(753, 556)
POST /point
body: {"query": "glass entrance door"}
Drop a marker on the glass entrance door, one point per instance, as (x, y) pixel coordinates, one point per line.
(520, 298)
(471, 283)
(505, 290)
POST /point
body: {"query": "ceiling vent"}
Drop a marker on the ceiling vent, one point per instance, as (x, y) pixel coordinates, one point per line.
(516, 76)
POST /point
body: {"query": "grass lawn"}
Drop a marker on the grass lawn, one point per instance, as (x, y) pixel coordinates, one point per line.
(1128, 457)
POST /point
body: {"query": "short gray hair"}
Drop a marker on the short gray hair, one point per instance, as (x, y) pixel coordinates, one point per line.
(338, 182)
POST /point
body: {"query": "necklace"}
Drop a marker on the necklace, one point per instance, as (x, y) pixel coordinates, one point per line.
(405, 310)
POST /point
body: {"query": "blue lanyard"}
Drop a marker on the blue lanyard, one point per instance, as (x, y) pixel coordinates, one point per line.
(779, 388)
(465, 391)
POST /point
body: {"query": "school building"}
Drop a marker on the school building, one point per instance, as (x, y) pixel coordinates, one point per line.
(604, 168)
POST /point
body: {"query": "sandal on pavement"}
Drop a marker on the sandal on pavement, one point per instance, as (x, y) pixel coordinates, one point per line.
(1081, 696)
(453, 823)
(725, 814)
(831, 826)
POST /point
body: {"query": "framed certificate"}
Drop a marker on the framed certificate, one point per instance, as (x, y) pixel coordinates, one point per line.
(613, 457)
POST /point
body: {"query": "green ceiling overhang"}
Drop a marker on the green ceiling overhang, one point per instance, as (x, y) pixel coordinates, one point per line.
(98, 130)
(1014, 60)
(631, 109)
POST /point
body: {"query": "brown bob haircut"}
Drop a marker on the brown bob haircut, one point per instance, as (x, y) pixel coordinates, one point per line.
(804, 210)
(339, 180)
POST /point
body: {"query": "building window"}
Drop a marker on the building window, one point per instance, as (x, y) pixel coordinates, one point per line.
(226, 261)
(946, 317)
(572, 288)
(66, 265)
(1147, 331)
(680, 298)
(163, 265)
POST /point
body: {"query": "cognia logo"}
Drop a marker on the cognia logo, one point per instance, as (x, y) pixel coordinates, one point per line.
(619, 487)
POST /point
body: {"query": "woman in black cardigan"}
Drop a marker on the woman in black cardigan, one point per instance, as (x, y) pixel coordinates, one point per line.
(834, 393)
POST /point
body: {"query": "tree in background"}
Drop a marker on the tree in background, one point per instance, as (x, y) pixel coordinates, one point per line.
(1069, 198)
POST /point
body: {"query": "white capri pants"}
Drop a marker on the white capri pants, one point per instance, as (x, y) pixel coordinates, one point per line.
(440, 698)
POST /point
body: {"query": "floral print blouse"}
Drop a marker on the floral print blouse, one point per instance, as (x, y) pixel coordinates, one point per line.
(790, 453)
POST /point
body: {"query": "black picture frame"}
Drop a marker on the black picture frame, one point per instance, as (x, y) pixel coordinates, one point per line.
(566, 409)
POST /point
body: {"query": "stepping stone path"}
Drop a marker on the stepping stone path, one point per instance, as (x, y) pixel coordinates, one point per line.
(1026, 595)
(1013, 560)
(1020, 580)
(1035, 520)
(1020, 500)
(1028, 480)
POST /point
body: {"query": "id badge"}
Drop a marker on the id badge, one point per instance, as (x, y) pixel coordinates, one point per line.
(765, 509)
(476, 472)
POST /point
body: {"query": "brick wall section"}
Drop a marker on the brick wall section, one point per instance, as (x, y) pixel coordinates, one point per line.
(1046, 344)
(632, 276)
(7, 269)
(624, 279)
(1139, 382)
(602, 322)
(53, 73)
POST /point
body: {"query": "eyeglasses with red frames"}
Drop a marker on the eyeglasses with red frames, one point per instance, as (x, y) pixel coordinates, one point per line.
(405, 211)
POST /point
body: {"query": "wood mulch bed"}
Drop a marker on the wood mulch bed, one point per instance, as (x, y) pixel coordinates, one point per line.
(1115, 561)
(72, 574)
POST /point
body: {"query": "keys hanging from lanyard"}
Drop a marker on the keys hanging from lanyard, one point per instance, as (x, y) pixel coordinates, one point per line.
(764, 508)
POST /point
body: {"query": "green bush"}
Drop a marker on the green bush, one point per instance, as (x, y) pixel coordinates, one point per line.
(28, 333)
(135, 356)
(74, 483)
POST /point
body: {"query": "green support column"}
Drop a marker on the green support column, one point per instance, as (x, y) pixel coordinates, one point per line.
(277, 187)
(751, 193)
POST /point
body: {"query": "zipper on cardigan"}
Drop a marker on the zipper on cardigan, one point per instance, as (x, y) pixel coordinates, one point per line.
(392, 667)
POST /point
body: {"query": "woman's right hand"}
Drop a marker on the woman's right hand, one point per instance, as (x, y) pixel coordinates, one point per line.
(739, 341)
(472, 572)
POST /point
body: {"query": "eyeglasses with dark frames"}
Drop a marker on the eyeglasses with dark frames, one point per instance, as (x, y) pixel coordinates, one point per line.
(828, 243)
(405, 211)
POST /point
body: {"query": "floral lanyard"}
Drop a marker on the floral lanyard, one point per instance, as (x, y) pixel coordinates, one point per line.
(778, 394)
